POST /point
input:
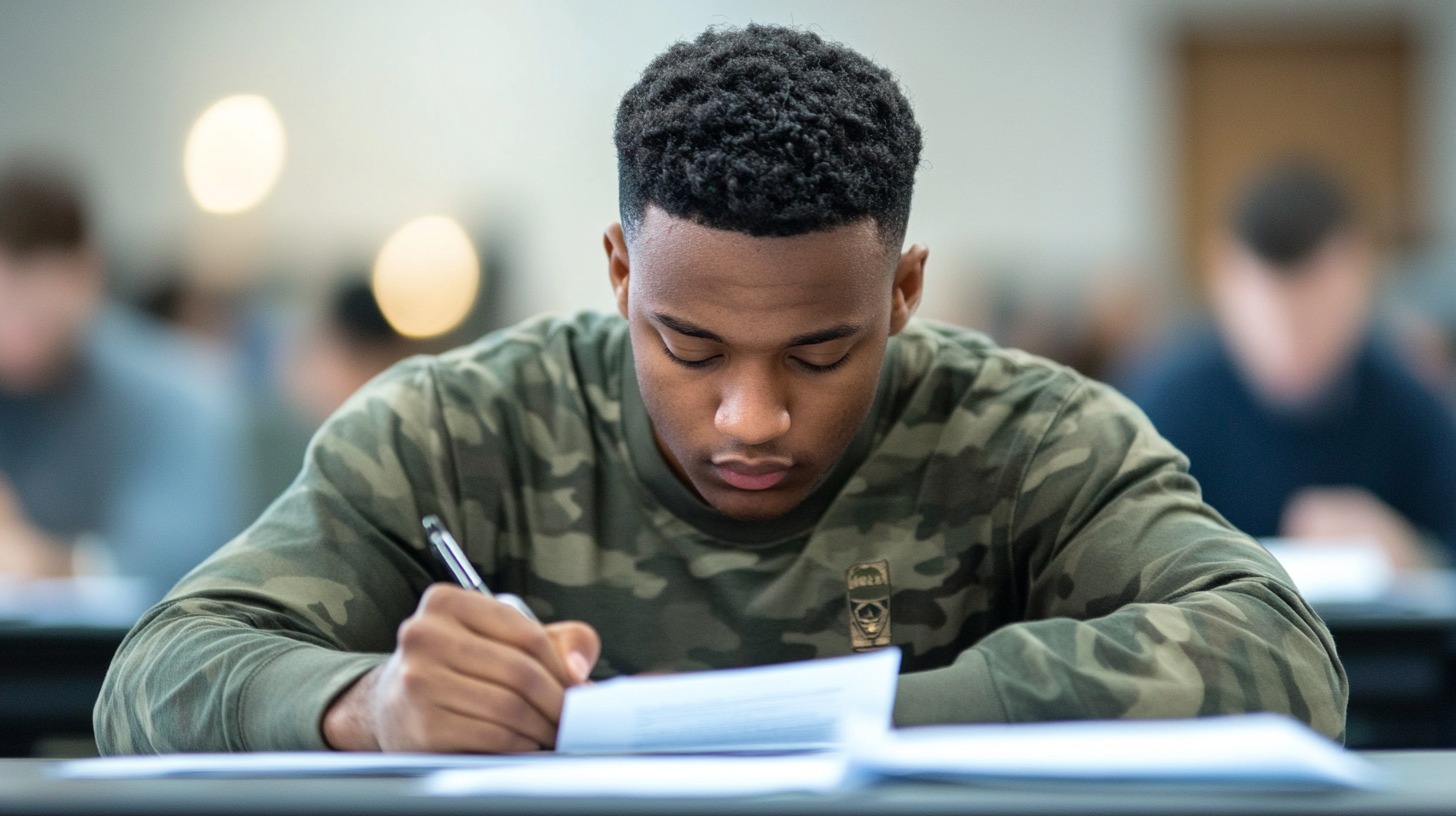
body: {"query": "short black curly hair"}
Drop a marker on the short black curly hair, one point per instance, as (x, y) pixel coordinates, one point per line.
(767, 130)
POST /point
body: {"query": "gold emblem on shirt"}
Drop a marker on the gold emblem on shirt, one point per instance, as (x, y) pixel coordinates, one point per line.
(868, 591)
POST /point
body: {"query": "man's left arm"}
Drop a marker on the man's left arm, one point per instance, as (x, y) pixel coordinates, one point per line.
(1138, 600)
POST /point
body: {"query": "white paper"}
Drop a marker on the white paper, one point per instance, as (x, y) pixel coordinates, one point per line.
(802, 705)
(1327, 572)
(1248, 750)
(273, 764)
(651, 776)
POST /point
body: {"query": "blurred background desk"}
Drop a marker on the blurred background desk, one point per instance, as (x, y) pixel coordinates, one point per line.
(49, 679)
(56, 640)
(1423, 783)
(1400, 655)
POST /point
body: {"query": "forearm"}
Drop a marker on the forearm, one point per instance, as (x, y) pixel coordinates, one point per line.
(1246, 646)
(194, 676)
(963, 692)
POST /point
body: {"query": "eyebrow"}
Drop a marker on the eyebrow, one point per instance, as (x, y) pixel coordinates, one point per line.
(684, 327)
(825, 335)
(807, 339)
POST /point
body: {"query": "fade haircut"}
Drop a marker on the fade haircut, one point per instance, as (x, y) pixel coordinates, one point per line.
(1289, 211)
(767, 130)
(41, 207)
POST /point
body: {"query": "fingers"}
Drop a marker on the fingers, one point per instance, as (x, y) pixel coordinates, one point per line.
(447, 700)
(466, 735)
(579, 646)
(497, 622)
(472, 674)
(418, 723)
(465, 652)
(495, 704)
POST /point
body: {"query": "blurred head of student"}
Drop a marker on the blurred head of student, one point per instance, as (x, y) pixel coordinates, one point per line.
(765, 178)
(51, 282)
(344, 349)
(1293, 284)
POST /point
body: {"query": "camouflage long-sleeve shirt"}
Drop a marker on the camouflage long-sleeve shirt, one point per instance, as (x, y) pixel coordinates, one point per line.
(1023, 535)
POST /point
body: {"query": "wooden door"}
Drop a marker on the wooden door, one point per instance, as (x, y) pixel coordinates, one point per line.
(1341, 98)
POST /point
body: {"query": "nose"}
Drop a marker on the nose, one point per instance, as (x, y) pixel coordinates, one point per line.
(753, 408)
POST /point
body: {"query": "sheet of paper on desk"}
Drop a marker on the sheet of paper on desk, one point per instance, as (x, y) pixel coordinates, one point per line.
(803, 705)
(273, 765)
(665, 775)
(1244, 751)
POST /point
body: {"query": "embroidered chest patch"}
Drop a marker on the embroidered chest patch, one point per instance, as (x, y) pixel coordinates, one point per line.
(868, 591)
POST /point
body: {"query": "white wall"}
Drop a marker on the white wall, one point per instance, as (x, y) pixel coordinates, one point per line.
(1046, 121)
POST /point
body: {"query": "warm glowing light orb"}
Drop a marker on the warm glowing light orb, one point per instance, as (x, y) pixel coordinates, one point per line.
(234, 154)
(426, 277)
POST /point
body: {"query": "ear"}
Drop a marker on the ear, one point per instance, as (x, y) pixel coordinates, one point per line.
(909, 284)
(619, 266)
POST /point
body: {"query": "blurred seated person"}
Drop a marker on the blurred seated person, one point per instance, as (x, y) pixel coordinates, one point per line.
(119, 447)
(347, 347)
(1299, 419)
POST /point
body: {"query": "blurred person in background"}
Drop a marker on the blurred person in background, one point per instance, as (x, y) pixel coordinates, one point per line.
(341, 345)
(120, 448)
(1299, 417)
(342, 351)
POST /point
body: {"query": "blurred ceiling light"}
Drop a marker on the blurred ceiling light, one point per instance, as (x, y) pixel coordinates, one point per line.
(426, 277)
(234, 154)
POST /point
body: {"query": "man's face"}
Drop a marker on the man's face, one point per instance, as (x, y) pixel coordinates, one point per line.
(47, 299)
(1295, 331)
(758, 357)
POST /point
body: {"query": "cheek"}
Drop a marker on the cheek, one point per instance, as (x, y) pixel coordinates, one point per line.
(676, 404)
(830, 411)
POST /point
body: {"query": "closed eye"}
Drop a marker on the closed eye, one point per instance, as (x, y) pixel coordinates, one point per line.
(821, 369)
(686, 363)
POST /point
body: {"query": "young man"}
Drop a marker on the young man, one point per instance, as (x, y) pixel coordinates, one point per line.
(761, 460)
(1299, 419)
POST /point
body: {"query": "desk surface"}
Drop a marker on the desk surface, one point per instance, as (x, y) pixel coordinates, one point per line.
(1424, 783)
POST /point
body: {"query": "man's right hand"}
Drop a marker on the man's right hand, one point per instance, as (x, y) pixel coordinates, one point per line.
(468, 675)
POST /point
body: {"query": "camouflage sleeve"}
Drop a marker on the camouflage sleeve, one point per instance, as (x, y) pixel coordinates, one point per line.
(250, 648)
(1137, 599)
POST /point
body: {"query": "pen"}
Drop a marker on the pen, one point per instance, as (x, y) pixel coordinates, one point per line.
(449, 552)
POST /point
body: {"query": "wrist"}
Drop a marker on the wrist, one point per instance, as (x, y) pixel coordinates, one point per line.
(348, 722)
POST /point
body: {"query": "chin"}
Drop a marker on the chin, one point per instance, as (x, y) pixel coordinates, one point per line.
(753, 507)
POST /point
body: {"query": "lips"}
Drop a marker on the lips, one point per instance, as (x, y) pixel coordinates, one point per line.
(752, 475)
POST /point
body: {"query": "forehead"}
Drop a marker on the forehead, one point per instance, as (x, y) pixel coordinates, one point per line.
(834, 274)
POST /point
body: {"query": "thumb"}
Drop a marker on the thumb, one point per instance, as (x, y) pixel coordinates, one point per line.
(579, 646)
